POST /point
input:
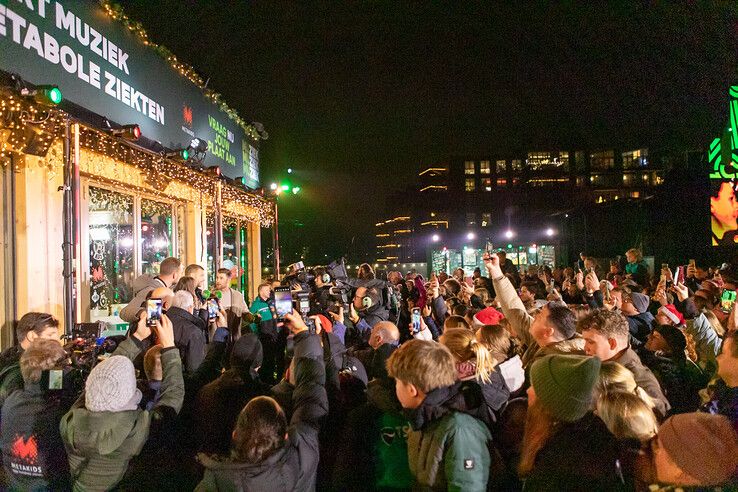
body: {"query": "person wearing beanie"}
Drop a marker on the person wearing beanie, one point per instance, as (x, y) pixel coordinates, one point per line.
(227, 395)
(634, 306)
(105, 428)
(560, 402)
(680, 378)
(487, 316)
(690, 450)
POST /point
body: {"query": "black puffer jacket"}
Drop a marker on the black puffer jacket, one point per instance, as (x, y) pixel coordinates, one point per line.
(294, 466)
(188, 338)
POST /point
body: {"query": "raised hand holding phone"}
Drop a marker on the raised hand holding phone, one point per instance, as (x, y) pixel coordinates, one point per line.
(492, 262)
(165, 332)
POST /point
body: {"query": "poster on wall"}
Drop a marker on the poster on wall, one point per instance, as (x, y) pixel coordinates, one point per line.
(723, 157)
(105, 67)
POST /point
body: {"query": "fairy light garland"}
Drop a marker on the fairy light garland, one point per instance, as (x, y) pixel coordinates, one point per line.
(115, 12)
(23, 123)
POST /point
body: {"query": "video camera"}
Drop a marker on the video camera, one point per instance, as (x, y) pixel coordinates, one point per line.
(298, 276)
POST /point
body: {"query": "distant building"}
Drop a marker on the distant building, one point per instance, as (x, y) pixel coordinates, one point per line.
(519, 199)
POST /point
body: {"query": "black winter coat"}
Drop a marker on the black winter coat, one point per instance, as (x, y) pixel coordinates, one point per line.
(294, 466)
(32, 447)
(188, 338)
(579, 456)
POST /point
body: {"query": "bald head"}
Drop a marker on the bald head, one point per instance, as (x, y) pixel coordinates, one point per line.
(384, 332)
(165, 294)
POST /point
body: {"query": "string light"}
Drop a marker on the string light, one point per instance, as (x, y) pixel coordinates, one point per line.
(115, 12)
(146, 172)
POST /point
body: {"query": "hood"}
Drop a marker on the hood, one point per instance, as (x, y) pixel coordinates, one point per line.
(381, 394)
(10, 356)
(239, 472)
(571, 346)
(437, 404)
(643, 318)
(143, 282)
(247, 354)
(89, 433)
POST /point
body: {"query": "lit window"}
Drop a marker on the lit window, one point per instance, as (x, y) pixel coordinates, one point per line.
(469, 184)
(501, 166)
(517, 165)
(602, 160)
(487, 184)
(484, 167)
(501, 182)
(471, 219)
(635, 159)
(469, 167)
(486, 220)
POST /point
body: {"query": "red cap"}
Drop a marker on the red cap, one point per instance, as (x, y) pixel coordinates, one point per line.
(489, 316)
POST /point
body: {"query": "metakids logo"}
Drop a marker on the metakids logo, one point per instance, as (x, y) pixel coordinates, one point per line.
(25, 456)
(187, 121)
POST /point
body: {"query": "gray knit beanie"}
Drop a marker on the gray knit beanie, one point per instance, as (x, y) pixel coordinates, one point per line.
(564, 384)
(111, 386)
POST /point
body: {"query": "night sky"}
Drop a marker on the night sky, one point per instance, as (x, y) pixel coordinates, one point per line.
(357, 95)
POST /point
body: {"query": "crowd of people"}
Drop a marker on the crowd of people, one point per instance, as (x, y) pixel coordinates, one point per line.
(575, 378)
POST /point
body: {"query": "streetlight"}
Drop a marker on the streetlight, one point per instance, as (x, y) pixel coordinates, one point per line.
(273, 186)
(470, 236)
(289, 170)
(549, 232)
(509, 234)
(436, 238)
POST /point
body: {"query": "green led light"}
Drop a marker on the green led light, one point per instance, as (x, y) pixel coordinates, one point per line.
(285, 187)
(295, 190)
(185, 154)
(509, 246)
(54, 95)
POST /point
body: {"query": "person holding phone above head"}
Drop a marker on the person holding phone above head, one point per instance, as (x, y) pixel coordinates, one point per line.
(105, 427)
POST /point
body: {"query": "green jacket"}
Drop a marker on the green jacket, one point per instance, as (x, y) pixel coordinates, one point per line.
(99, 445)
(451, 453)
(268, 325)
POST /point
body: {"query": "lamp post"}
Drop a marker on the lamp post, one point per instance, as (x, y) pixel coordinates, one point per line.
(275, 190)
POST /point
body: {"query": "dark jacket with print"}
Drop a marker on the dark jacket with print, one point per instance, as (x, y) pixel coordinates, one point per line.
(373, 446)
(33, 451)
(680, 378)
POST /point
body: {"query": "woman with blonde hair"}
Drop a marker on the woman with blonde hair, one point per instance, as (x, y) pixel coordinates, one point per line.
(484, 389)
(615, 377)
(627, 416)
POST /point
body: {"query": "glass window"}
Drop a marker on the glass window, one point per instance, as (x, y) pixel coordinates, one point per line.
(156, 234)
(501, 181)
(484, 167)
(111, 250)
(635, 159)
(579, 160)
(501, 166)
(487, 184)
(471, 218)
(469, 184)
(517, 165)
(547, 160)
(486, 220)
(469, 167)
(602, 160)
(181, 228)
(230, 254)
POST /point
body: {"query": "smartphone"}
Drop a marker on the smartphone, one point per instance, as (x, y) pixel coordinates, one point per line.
(153, 311)
(213, 308)
(415, 320)
(282, 301)
(52, 379)
(677, 274)
(489, 248)
(727, 301)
